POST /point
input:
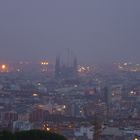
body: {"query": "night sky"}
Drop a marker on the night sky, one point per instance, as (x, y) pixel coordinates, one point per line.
(97, 31)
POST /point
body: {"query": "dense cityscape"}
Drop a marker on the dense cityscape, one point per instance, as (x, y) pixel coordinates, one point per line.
(69, 70)
(80, 102)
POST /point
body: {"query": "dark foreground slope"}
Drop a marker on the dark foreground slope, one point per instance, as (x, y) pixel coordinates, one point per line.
(30, 135)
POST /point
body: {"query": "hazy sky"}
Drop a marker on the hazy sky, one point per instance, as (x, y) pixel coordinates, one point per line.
(96, 30)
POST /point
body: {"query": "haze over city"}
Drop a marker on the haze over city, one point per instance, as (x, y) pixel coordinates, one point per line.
(97, 31)
(69, 69)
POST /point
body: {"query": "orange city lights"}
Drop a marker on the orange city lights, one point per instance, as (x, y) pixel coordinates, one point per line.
(44, 63)
(4, 68)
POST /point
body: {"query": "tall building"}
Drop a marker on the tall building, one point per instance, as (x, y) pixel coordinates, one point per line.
(75, 66)
(106, 99)
(57, 68)
(67, 70)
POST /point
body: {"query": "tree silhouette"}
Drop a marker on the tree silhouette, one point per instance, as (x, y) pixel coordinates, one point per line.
(31, 135)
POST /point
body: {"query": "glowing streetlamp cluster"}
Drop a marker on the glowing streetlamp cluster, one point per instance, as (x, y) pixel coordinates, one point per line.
(44, 63)
(83, 69)
(4, 68)
(46, 127)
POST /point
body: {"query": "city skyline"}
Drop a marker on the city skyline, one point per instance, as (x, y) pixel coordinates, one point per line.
(70, 69)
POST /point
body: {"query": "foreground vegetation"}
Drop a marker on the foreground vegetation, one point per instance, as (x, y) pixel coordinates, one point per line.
(30, 135)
